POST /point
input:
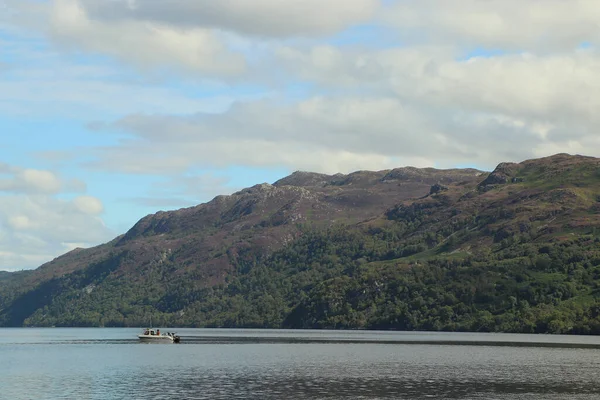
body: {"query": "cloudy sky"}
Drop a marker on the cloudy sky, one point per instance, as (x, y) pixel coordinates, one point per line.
(114, 109)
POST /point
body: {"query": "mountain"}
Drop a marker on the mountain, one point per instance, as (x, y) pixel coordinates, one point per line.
(511, 250)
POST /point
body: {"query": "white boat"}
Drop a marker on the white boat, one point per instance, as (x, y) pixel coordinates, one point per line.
(154, 335)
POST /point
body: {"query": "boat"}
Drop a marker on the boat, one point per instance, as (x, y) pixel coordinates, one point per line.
(154, 335)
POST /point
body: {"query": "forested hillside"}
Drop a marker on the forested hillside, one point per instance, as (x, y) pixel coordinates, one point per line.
(517, 250)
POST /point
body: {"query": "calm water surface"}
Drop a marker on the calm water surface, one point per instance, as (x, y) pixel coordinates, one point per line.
(256, 364)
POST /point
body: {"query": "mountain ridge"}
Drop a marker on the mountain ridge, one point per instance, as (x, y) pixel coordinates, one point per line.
(241, 203)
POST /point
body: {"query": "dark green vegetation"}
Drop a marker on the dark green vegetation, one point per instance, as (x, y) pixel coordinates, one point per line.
(517, 250)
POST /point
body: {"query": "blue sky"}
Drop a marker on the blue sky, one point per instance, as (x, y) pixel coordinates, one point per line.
(111, 110)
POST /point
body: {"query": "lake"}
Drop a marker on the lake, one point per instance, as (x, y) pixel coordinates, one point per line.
(109, 363)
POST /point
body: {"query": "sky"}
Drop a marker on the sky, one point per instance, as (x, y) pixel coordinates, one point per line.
(114, 109)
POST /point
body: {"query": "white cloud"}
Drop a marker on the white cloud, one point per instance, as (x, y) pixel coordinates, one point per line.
(35, 221)
(420, 105)
(52, 87)
(323, 134)
(366, 107)
(20, 222)
(43, 181)
(17, 261)
(88, 205)
(275, 18)
(34, 181)
(502, 107)
(33, 229)
(144, 44)
(543, 25)
(516, 84)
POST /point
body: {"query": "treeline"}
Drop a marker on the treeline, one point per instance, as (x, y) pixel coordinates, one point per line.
(386, 277)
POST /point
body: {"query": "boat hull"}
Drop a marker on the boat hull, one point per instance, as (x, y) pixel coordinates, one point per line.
(155, 338)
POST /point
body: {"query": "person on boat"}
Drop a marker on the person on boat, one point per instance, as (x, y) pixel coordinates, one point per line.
(158, 332)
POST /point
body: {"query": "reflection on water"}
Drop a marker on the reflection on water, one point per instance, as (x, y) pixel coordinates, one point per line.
(223, 364)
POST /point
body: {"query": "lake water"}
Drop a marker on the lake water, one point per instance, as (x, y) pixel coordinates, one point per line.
(107, 363)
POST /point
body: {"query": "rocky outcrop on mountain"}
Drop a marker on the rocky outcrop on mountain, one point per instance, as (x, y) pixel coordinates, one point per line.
(504, 173)
(303, 178)
(437, 188)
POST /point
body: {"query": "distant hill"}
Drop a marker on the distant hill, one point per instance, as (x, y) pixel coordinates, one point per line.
(514, 250)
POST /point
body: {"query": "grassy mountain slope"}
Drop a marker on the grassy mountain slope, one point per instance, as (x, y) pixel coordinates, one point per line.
(515, 250)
